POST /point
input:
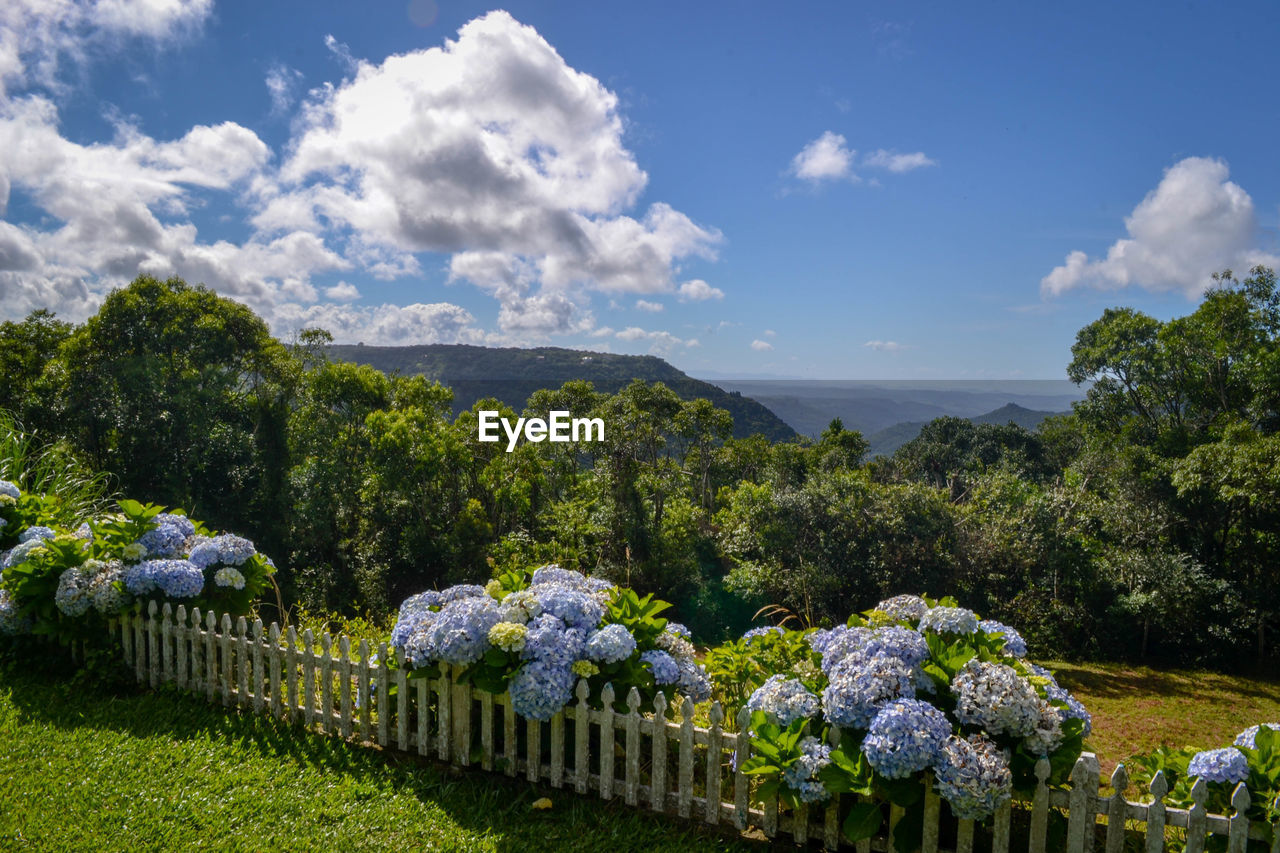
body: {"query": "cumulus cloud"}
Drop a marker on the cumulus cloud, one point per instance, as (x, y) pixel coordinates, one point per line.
(829, 158)
(646, 305)
(1194, 223)
(36, 36)
(898, 163)
(386, 325)
(825, 158)
(761, 346)
(697, 290)
(490, 150)
(885, 346)
(661, 342)
(342, 292)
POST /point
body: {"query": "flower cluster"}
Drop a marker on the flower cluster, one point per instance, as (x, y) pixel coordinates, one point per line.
(802, 775)
(784, 700)
(229, 576)
(763, 632)
(904, 608)
(949, 620)
(1246, 738)
(551, 633)
(172, 578)
(860, 684)
(906, 736)
(1220, 765)
(997, 698)
(1014, 645)
(973, 776)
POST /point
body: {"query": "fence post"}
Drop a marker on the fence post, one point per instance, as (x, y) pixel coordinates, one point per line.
(383, 698)
(1081, 820)
(607, 697)
(486, 737)
(1238, 839)
(715, 756)
(197, 651)
(1155, 814)
(139, 644)
(274, 663)
(424, 716)
(461, 719)
(932, 816)
(326, 683)
(1197, 820)
(658, 777)
(581, 738)
(1040, 808)
(685, 803)
(180, 642)
(210, 656)
(631, 773)
(557, 749)
(166, 634)
(256, 692)
(402, 700)
(308, 677)
(153, 644)
(1116, 810)
(741, 782)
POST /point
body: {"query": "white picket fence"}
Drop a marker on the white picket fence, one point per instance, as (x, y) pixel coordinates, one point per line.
(648, 761)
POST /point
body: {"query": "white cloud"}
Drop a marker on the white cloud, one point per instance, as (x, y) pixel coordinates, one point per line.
(770, 333)
(761, 346)
(1194, 223)
(697, 290)
(342, 292)
(652, 307)
(282, 85)
(37, 35)
(898, 163)
(343, 53)
(490, 150)
(662, 342)
(825, 158)
(387, 325)
(885, 346)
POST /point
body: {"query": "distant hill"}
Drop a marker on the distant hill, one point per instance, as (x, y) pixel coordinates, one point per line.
(873, 405)
(512, 374)
(886, 441)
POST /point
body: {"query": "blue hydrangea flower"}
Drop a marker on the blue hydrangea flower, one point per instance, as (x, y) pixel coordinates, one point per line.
(973, 776)
(540, 689)
(904, 608)
(421, 601)
(179, 579)
(1220, 765)
(611, 644)
(997, 698)
(10, 490)
(802, 776)
(551, 641)
(166, 540)
(107, 589)
(575, 608)
(36, 533)
(861, 684)
(903, 643)
(227, 549)
(73, 597)
(693, 682)
(764, 631)
(1014, 645)
(10, 622)
(1074, 710)
(84, 531)
(1247, 737)
(1047, 734)
(949, 620)
(459, 591)
(521, 606)
(906, 736)
(784, 700)
(677, 629)
(664, 667)
(460, 632)
(180, 523)
(840, 642)
(21, 552)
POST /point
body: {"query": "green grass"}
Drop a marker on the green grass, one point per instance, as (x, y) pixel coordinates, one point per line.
(1136, 708)
(92, 771)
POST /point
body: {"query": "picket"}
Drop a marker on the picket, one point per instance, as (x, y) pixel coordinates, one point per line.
(191, 650)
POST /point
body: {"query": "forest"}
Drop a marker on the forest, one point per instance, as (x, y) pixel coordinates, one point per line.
(1144, 525)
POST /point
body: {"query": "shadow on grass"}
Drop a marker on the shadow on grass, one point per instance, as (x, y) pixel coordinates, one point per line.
(1118, 681)
(483, 803)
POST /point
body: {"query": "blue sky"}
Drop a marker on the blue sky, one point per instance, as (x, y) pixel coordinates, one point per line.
(842, 190)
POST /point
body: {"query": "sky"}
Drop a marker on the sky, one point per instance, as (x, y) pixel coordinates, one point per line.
(853, 190)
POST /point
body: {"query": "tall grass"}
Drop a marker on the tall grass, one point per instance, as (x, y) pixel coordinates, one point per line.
(52, 468)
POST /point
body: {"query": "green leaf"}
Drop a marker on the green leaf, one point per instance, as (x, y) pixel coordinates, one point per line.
(863, 821)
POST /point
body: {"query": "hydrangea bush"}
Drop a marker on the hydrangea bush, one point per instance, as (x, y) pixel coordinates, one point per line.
(536, 634)
(1252, 758)
(65, 583)
(918, 689)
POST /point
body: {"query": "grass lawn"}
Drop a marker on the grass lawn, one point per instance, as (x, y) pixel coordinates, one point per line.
(160, 771)
(1136, 708)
